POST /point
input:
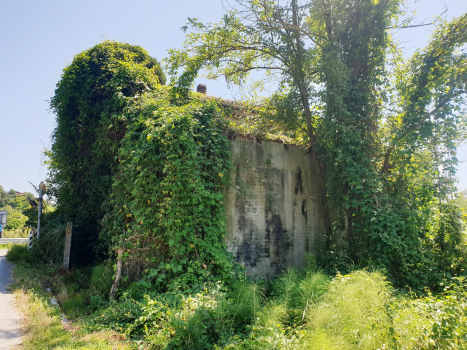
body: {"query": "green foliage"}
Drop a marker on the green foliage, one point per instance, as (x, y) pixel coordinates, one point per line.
(75, 306)
(117, 315)
(196, 322)
(298, 310)
(31, 214)
(101, 279)
(15, 204)
(167, 199)
(245, 301)
(18, 253)
(13, 199)
(352, 314)
(22, 232)
(49, 248)
(299, 291)
(89, 102)
(461, 201)
(381, 133)
(15, 219)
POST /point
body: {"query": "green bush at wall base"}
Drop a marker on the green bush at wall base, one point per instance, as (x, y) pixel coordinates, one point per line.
(19, 253)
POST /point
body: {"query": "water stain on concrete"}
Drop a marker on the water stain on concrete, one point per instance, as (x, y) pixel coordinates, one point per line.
(273, 219)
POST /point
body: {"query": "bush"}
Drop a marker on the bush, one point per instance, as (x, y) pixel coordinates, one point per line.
(120, 316)
(75, 306)
(299, 291)
(352, 314)
(102, 279)
(20, 253)
(194, 322)
(49, 247)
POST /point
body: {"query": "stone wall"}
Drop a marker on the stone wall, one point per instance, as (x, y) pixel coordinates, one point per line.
(273, 216)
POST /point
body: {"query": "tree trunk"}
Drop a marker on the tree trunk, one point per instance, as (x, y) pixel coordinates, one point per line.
(299, 78)
(119, 273)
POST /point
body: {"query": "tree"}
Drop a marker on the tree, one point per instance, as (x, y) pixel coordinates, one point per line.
(88, 102)
(381, 132)
(15, 203)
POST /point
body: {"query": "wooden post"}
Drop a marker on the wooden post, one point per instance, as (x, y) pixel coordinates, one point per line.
(66, 254)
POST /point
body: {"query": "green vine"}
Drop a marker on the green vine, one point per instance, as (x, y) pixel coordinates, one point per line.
(89, 101)
(167, 195)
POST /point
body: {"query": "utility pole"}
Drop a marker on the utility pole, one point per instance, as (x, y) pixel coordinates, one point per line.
(42, 188)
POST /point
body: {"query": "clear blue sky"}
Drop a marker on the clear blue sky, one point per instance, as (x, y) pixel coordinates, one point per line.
(39, 38)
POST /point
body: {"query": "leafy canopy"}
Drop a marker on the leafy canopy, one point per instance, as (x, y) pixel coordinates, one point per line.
(382, 130)
(89, 101)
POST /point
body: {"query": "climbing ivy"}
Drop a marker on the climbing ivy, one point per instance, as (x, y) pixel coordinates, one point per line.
(89, 101)
(381, 130)
(167, 194)
(135, 168)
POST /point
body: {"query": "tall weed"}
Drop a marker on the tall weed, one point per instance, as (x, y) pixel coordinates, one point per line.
(102, 279)
(351, 314)
(299, 291)
(19, 253)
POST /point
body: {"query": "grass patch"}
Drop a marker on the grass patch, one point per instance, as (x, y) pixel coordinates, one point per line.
(20, 253)
(44, 329)
(42, 322)
(6, 246)
(299, 310)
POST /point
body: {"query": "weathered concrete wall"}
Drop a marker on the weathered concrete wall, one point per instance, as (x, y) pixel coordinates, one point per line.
(273, 216)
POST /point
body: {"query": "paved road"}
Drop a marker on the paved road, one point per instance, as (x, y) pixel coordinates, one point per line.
(10, 333)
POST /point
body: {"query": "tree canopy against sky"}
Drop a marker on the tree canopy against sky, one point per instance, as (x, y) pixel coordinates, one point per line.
(137, 172)
(382, 130)
(15, 203)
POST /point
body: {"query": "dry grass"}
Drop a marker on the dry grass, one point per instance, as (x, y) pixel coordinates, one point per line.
(44, 329)
(42, 324)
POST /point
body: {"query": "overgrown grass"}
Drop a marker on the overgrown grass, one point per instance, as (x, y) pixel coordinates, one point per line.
(44, 329)
(19, 253)
(6, 246)
(299, 310)
(42, 322)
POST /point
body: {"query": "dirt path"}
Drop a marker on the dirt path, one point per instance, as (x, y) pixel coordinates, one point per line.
(10, 332)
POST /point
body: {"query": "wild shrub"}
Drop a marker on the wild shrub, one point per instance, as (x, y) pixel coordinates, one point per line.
(117, 315)
(351, 315)
(89, 104)
(75, 306)
(166, 206)
(196, 322)
(19, 253)
(299, 291)
(102, 279)
(244, 303)
(431, 321)
(49, 247)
